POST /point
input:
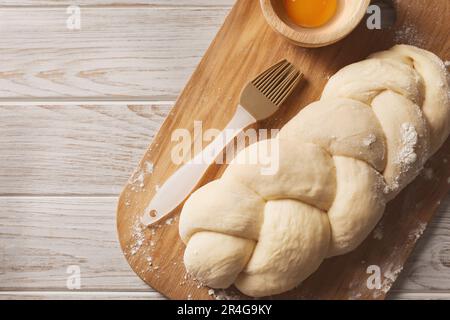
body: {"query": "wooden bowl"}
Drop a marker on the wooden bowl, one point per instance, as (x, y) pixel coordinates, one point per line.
(348, 15)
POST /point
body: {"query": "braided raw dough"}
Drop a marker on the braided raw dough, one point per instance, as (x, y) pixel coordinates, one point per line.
(340, 160)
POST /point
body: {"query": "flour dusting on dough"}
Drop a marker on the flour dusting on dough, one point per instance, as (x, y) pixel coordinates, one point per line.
(371, 139)
(393, 187)
(407, 156)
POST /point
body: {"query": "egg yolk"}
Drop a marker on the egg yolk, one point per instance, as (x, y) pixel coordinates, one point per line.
(310, 13)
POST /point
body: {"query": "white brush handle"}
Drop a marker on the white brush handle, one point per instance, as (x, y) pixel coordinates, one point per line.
(175, 190)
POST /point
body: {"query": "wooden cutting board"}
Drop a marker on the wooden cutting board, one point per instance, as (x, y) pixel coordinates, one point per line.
(245, 46)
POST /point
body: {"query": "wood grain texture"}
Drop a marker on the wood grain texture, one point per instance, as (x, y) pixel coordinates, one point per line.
(76, 295)
(62, 295)
(119, 53)
(91, 3)
(42, 236)
(231, 66)
(52, 142)
(419, 296)
(70, 149)
(428, 268)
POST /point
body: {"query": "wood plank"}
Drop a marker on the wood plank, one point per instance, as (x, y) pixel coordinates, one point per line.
(75, 295)
(119, 53)
(41, 236)
(420, 296)
(91, 3)
(232, 61)
(428, 268)
(74, 148)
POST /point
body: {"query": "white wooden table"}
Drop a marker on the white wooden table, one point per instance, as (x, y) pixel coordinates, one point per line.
(78, 108)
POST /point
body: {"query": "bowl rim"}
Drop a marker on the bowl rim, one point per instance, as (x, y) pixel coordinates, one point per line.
(293, 35)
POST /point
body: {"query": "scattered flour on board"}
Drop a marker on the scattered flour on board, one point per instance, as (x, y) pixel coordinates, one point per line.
(138, 177)
(148, 167)
(389, 278)
(378, 232)
(138, 238)
(199, 284)
(225, 295)
(408, 34)
(217, 294)
(390, 275)
(418, 232)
